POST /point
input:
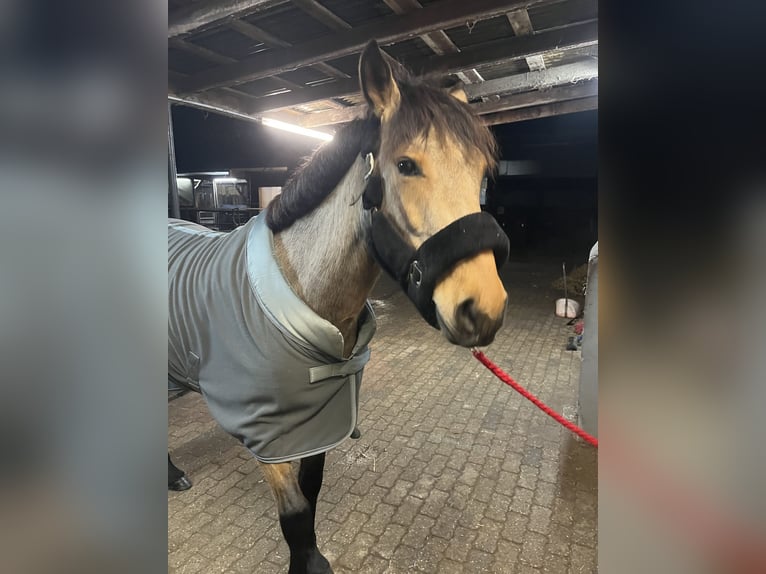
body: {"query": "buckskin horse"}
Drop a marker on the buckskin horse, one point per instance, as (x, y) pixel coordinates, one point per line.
(271, 321)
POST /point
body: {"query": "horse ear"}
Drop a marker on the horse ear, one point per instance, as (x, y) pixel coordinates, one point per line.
(459, 93)
(454, 88)
(400, 72)
(377, 81)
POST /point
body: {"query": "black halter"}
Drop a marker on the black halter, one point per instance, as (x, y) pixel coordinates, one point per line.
(419, 270)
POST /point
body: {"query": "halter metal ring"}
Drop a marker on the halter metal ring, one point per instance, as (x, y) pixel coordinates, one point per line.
(416, 273)
(370, 161)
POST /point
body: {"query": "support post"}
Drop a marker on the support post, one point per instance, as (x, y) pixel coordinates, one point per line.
(175, 205)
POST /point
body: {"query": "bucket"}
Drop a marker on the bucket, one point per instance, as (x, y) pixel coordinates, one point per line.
(568, 308)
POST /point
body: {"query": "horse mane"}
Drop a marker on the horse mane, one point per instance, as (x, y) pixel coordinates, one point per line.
(321, 173)
(425, 105)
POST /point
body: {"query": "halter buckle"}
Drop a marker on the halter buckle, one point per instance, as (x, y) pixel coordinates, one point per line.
(369, 160)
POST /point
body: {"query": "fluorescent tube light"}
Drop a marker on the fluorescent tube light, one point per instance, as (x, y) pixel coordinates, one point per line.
(280, 125)
(295, 129)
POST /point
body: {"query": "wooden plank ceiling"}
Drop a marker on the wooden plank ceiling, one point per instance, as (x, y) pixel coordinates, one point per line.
(295, 60)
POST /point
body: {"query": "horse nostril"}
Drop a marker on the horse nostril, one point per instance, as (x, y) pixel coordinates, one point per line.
(466, 316)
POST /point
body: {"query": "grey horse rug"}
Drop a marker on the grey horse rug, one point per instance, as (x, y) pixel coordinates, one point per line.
(270, 369)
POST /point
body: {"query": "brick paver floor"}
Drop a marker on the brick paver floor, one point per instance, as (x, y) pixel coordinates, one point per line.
(454, 473)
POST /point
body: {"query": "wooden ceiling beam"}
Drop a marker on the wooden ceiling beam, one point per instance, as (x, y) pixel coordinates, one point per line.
(387, 30)
(514, 48)
(537, 98)
(199, 51)
(232, 96)
(544, 111)
(332, 21)
(331, 117)
(207, 54)
(322, 14)
(221, 101)
(228, 104)
(199, 15)
(307, 95)
(247, 105)
(516, 101)
(267, 39)
(438, 41)
(522, 26)
(225, 102)
(331, 71)
(258, 34)
(539, 80)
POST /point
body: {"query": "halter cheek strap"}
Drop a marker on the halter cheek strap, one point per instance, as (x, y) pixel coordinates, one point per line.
(419, 270)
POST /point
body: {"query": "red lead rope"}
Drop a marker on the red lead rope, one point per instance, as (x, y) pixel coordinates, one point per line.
(500, 374)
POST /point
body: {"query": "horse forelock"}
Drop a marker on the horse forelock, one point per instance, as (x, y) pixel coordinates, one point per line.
(426, 108)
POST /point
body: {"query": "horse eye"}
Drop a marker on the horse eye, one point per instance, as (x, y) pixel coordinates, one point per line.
(407, 167)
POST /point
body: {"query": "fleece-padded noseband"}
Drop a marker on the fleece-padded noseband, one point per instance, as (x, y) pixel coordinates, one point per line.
(419, 270)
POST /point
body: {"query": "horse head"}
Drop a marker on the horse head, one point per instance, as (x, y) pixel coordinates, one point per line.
(425, 177)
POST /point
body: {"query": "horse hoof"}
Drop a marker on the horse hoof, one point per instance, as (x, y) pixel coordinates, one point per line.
(180, 484)
(318, 564)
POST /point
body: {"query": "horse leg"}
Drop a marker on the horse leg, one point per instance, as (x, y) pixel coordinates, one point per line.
(176, 477)
(296, 517)
(310, 480)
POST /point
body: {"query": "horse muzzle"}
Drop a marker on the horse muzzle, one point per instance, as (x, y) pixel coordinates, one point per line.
(470, 327)
(419, 271)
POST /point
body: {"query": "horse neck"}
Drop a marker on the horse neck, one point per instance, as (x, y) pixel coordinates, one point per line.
(324, 257)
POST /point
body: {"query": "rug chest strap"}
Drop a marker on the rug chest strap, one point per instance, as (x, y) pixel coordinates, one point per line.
(341, 369)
